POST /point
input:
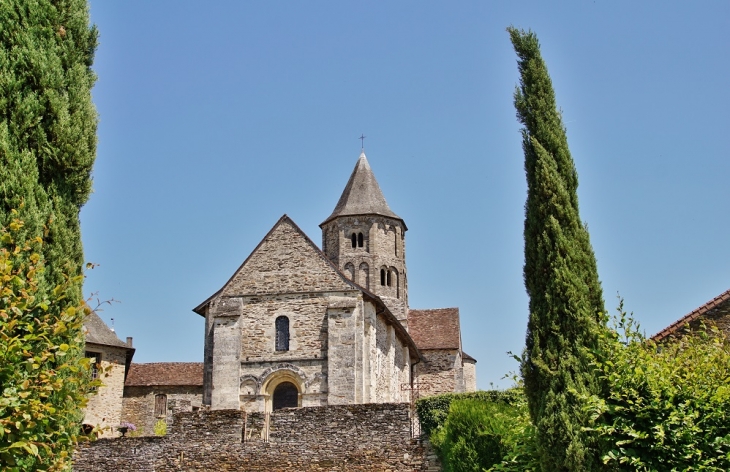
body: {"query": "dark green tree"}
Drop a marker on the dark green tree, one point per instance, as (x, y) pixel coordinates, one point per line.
(47, 149)
(561, 278)
(47, 126)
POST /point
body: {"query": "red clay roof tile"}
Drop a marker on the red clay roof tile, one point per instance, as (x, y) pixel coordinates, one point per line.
(165, 373)
(694, 315)
(435, 329)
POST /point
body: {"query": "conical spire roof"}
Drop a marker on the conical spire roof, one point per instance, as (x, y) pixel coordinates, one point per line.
(362, 194)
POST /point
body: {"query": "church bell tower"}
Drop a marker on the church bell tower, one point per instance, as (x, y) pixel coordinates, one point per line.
(366, 240)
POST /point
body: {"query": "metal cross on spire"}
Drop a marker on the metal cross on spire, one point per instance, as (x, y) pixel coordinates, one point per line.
(362, 139)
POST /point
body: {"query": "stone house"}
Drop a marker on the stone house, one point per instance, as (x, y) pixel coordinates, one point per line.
(299, 326)
(152, 392)
(112, 358)
(445, 366)
(716, 312)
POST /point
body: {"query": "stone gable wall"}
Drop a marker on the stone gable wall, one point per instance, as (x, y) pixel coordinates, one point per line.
(335, 355)
(334, 438)
(285, 262)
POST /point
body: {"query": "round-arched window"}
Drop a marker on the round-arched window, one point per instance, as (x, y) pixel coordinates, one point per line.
(282, 333)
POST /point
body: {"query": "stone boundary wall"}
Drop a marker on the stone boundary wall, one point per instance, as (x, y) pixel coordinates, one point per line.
(330, 438)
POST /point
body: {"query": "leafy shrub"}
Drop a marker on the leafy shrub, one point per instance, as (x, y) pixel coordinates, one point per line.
(161, 427)
(667, 405)
(432, 411)
(44, 376)
(482, 435)
(478, 430)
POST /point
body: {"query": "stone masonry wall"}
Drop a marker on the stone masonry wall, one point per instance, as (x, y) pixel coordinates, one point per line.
(383, 247)
(139, 404)
(382, 367)
(470, 376)
(344, 359)
(333, 438)
(104, 408)
(307, 321)
(390, 366)
(285, 262)
(437, 373)
(226, 358)
(285, 275)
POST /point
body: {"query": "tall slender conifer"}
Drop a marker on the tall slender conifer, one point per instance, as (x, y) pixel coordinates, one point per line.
(47, 125)
(561, 278)
(47, 149)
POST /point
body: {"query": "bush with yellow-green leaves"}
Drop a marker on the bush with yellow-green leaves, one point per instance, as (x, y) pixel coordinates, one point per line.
(667, 405)
(44, 376)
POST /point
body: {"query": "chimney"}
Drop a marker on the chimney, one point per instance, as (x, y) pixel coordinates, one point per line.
(129, 341)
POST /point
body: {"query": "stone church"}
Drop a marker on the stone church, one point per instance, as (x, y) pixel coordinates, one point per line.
(296, 326)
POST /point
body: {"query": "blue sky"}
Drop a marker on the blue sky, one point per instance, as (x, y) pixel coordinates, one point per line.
(216, 118)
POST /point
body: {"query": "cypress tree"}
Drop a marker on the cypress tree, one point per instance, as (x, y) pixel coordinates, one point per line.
(561, 278)
(47, 126)
(47, 149)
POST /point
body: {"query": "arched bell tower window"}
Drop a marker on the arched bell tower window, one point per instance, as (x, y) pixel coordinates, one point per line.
(359, 239)
(353, 238)
(387, 276)
(382, 276)
(282, 333)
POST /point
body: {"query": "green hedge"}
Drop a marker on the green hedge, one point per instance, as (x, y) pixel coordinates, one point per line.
(480, 431)
(432, 411)
(667, 406)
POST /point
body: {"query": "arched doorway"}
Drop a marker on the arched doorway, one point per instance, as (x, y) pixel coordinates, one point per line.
(286, 395)
(283, 388)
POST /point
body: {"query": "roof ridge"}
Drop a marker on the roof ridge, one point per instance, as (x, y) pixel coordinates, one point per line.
(692, 316)
(307, 240)
(165, 373)
(98, 332)
(434, 309)
(283, 218)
